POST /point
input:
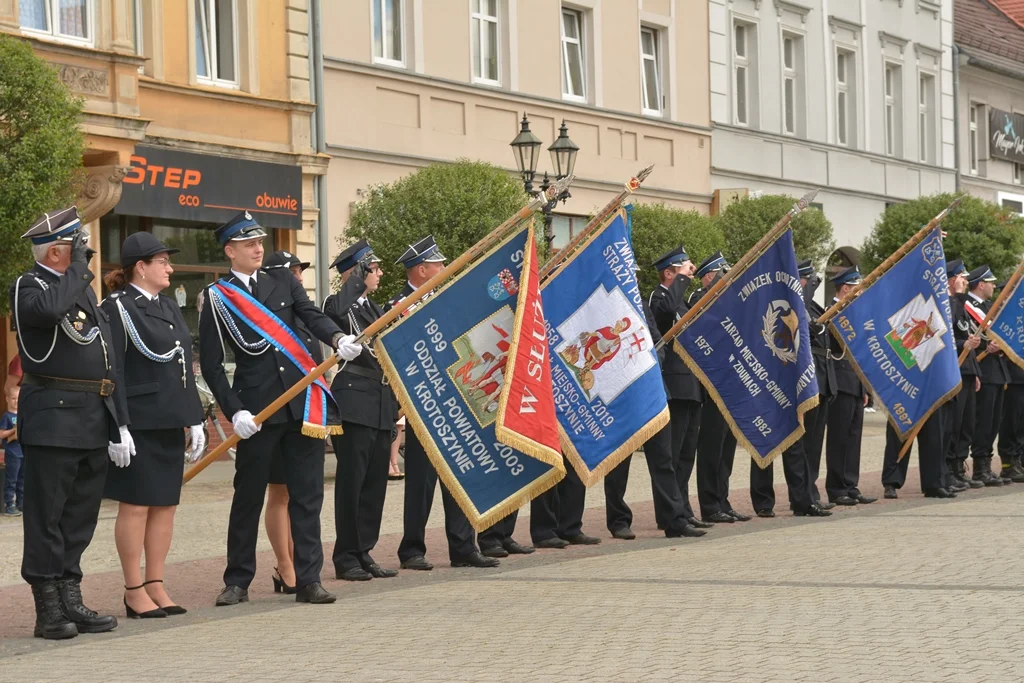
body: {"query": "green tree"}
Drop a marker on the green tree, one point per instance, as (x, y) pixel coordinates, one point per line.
(457, 203)
(40, 150)
(658, 228)
(748, 220)
(978, 231)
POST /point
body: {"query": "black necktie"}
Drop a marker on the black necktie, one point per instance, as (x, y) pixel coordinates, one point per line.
(252, 286)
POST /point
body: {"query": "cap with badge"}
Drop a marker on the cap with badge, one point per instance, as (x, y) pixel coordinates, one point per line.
(711, 264)
(979, 275)
(241, 227)
(954, 268)
(355, 253)
(424, 251)
(283, 259)
(805, 268)
(673, 258)
(850, 276)
(56, 226)
(140, 246)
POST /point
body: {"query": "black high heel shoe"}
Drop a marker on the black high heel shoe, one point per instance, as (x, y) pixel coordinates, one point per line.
(172, 610)
(132, 614)
(280, 586)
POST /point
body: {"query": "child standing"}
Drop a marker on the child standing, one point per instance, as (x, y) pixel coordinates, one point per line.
(14, 481)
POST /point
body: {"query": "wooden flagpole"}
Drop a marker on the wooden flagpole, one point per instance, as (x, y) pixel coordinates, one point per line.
(474, 252)
(740, 266)
(611, 207)
(997, 306)
(887, 264)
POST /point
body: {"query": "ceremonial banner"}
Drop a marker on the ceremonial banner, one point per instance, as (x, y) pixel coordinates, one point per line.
(1008, 325)
(750, 348)
(465, 367)
(899, 334)
(609, 394)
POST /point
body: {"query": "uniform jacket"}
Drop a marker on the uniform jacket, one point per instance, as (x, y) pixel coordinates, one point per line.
(993, 366)
(53, 417)
(667, 305)
(963, 325)
(821, 341)
(156, 395)
(847, 381)
(363, 400)
(260, 379)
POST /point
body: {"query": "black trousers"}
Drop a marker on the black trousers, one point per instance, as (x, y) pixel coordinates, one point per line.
(716, 449)
(685, 421)
(797, 471)
(988, 414)
(363, 455)
(842, 448)
(63, 490)
(420, 484)
(499, 533)
(559, 510)
(965, 419)
(1011, 431)
(930, 456)
(814, 440)
(304, 458)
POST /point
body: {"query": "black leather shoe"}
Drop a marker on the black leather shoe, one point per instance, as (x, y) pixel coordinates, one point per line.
(813, 510)
(864, 500)
(418, 563)
(890, 492)
(956, 486)
(624, 534)
(516, 548)
(938, 493)
(553, 542)
(738, 517)
(582, 539)
(720, 518)
(232, 595)
(698, 523)
(475, 559)
(845, 500)
(494, 551)
(767, 514)
(354, 574)
(315, 594)
(378, 572)
(825, 504)
(688, 531)
(51, 623)
(84, 619)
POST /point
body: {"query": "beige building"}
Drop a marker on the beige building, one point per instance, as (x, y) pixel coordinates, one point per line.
(409, 83)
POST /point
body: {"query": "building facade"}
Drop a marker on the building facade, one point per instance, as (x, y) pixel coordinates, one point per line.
(193, 111)
(408, 83)
(852, 96)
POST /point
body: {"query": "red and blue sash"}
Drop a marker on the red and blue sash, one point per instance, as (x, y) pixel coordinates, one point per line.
(244, 307)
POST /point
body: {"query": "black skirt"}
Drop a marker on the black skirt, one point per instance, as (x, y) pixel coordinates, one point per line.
(154, 475)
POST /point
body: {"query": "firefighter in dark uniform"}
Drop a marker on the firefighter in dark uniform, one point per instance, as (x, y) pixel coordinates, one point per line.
(994, 376)
(845, 417)
(72, 418)
(959, 421)
(262, 374)
(423, 261)
(1011, 431)
(671, 509)
(369, 411)
(716, 444)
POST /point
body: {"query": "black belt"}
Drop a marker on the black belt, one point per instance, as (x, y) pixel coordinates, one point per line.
(818, 351)
(370, 373)
(103, 387)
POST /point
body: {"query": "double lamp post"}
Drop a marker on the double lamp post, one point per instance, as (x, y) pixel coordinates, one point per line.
(526, 147)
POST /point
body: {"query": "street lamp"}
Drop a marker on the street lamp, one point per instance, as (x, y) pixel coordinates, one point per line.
(563, 152)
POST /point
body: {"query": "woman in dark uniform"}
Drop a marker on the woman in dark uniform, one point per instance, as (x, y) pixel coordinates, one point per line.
(154, 351)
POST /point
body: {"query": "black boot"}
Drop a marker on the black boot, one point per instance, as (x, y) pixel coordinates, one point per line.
(83, 618)
(960, 473)
(51, 623)
(1015, 472)
(983, 472)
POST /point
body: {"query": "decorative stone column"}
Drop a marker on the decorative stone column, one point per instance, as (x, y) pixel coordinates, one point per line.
(101, 192)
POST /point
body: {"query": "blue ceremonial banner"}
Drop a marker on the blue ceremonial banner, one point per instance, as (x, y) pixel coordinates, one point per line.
(448, 361)
(899, 335)
(1008, 325)
(750, 348)
(609, 394)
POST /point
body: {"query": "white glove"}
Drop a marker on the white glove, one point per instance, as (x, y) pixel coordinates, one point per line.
(198, 439)
(244, 425)
(121, 453)
(347, 349)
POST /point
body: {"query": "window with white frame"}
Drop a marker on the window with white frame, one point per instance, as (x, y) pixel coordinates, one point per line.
(216, 42)
(70, 20)
(744, 73)
(388, 32)
(926, 117)
(1013, 202)
(1017, 173)
(893, 98)
(793, 84)
(975, 115)
(485, 41)
(574, 71)
(650, 62)
(846, 97)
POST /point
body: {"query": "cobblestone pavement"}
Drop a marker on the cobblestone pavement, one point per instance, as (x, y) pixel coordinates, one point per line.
(907, 590)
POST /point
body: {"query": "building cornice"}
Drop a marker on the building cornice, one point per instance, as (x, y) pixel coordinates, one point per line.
(753, 177)
(79, 51)
(225, 95)
(304, 159)
(794, 7)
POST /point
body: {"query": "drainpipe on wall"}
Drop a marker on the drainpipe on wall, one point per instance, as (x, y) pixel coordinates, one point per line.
(323, 242)
(956, 114)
